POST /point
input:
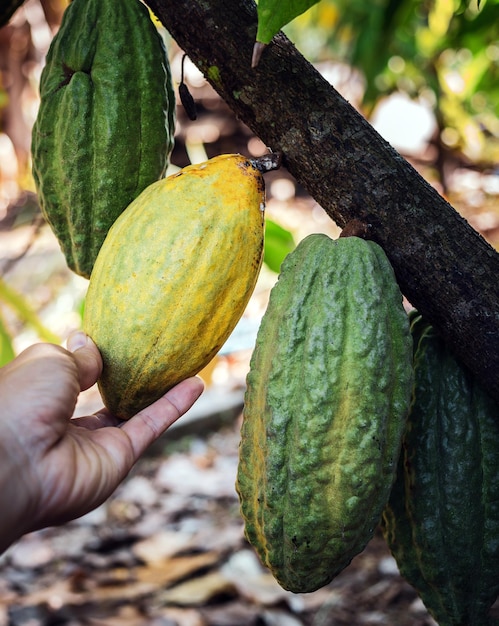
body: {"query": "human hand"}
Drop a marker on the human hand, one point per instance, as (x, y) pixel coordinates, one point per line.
(54, 468)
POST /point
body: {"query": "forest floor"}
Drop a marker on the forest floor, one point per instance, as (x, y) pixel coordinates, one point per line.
(168, 549)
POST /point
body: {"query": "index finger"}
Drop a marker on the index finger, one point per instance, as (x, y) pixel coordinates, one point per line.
(150, 423)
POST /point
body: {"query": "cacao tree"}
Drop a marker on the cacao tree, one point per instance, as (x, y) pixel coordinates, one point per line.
(444, 267)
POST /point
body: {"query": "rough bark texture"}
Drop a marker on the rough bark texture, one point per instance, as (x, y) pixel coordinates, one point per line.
(445, 268)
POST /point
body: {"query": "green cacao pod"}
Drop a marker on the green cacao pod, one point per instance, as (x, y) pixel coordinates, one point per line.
(327, 396)
(173, 277)
(442, 519)
(105, 125)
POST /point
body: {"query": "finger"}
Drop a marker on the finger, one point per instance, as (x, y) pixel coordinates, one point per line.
(87, 357)
(101, 419)
(151, 422)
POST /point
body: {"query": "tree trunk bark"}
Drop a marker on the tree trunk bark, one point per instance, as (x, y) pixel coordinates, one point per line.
(444, 267)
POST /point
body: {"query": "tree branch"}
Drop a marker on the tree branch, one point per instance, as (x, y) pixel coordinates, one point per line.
(444, 267)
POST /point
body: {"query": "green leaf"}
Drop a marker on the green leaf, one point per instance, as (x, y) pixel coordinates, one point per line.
(279, 242)
(274, 14)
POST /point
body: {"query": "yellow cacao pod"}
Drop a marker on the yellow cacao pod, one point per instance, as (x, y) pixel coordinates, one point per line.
(173, 278)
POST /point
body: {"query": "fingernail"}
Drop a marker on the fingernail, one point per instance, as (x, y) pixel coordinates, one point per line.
(76, 341)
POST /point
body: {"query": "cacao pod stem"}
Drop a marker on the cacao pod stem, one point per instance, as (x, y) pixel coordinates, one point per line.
(356, 228)
(267, 162)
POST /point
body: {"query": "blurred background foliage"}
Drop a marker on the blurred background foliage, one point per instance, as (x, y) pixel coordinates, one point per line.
(443, 52)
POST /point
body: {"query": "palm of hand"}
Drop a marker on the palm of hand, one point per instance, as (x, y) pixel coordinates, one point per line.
(55, 468)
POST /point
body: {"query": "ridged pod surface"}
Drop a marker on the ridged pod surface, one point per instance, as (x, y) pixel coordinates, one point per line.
(105, 125)
(327, 396)
(173, 277)
(442, 520)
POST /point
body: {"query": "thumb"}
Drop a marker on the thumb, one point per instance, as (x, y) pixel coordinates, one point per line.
(87, 357)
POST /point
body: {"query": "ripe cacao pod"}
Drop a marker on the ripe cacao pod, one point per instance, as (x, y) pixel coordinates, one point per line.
(442, 519)
(173, 277)
(105, 126)
(327, 396)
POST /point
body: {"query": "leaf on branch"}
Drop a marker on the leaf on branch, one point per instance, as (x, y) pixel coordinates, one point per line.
(274, 14)
(279, 242)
